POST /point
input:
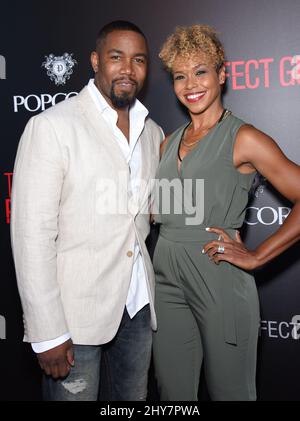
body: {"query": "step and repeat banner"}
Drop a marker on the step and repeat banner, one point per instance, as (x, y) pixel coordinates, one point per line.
(44, 59)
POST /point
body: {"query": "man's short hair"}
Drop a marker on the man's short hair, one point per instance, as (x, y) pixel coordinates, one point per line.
(116, 25)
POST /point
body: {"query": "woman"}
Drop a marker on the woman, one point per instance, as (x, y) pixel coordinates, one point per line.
(206, 302)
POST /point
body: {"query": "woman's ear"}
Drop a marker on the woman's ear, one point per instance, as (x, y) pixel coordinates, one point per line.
(222, 75)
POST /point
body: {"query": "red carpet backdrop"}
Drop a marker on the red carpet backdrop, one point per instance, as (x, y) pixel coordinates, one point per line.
(44, 59)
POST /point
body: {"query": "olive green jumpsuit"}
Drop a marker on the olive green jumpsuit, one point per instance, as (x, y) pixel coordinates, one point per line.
(205, 312)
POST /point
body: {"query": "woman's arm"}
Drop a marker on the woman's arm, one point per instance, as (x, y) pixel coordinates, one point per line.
(257, 150)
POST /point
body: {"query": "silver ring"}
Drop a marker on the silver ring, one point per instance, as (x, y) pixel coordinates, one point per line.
(221, 249)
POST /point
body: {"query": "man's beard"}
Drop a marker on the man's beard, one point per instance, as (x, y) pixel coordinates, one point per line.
(121, 101)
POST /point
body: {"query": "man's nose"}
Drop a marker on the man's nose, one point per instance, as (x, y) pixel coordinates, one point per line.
(127, 67)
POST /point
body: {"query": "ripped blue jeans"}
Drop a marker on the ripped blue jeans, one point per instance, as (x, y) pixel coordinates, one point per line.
(127, 359)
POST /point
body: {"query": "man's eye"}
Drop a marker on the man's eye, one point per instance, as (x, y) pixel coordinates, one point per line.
(139, 60)
(115, 57)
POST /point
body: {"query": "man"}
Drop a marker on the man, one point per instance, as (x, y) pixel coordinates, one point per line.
(80, 217)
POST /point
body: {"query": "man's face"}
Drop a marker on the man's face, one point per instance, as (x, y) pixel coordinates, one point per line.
(120, 65)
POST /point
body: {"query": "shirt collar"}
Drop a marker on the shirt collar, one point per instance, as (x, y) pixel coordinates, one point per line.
(137, 110)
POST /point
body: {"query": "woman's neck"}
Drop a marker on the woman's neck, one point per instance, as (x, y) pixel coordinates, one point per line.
(207, 119)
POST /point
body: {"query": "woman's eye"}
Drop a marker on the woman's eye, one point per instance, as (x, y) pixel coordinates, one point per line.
(200, 72)
(178, 77)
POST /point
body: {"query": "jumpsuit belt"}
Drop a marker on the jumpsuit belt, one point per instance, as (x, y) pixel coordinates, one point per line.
(198, 234)
(191, 233)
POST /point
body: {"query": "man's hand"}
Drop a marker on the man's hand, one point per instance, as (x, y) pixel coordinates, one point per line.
(57, 362)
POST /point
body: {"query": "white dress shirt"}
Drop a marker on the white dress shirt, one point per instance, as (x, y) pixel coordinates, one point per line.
(137, 296)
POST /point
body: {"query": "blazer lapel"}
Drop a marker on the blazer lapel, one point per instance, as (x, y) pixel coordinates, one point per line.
(146, 163)
(102, 130)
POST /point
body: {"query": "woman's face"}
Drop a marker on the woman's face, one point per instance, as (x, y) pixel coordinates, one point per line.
(197, 85)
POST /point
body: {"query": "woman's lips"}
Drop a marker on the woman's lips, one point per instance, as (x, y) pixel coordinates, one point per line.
(194, 97)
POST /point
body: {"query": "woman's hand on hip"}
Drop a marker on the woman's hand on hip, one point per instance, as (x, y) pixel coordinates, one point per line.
(227, 249)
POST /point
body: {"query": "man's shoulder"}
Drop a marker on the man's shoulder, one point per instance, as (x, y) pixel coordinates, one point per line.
(60, 117)
(67, 110)
(154, 127)
(151, 123)
(62, 109)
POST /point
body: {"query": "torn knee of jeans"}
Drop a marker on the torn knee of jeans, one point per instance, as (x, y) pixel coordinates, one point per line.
(75, 386)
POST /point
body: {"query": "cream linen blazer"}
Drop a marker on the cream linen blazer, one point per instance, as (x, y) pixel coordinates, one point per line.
(73, 258)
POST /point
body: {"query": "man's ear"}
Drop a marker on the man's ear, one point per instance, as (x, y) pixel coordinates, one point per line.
(95, 61)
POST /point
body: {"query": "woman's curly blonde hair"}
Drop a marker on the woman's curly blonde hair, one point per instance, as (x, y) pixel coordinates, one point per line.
(190, 41)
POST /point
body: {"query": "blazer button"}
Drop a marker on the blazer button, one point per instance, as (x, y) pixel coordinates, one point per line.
(129, 253)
